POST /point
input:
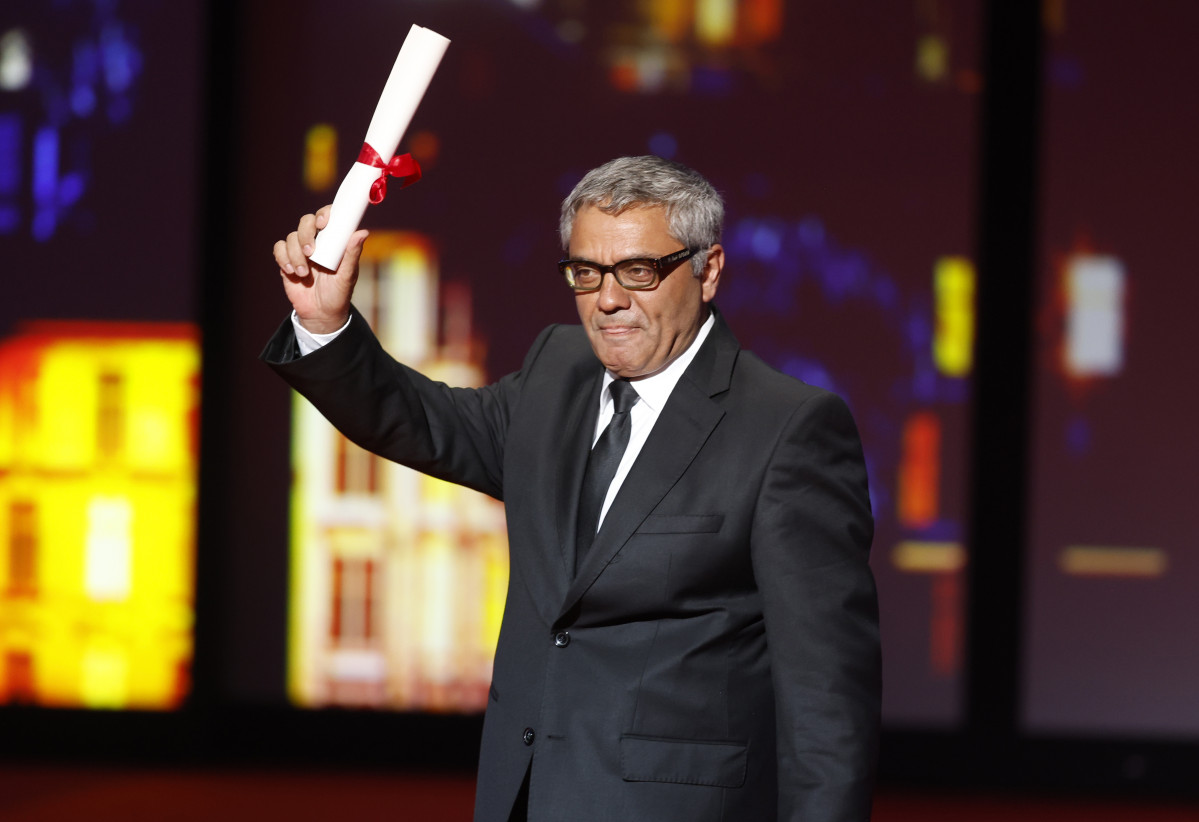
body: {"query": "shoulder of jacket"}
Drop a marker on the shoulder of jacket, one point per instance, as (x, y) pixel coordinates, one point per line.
(765, 385)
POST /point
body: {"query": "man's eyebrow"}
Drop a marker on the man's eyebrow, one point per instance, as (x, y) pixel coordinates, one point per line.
(644, 255)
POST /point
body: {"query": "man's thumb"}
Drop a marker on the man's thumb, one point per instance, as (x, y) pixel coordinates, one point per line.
(349, 261)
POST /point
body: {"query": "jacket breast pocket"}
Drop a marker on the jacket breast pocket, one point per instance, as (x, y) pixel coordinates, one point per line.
(685, 761)
(681, 524)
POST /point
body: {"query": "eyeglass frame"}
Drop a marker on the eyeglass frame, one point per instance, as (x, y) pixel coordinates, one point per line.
(661, 266)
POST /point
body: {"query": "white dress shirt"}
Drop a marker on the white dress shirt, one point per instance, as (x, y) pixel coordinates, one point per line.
(653, 391)
(309, 342)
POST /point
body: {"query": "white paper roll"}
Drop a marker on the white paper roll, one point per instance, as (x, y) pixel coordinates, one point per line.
(414, 67)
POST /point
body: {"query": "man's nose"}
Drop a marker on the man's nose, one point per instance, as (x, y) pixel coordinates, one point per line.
(612, 295)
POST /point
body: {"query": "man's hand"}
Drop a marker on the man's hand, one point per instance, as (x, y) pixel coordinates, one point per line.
(320, 297)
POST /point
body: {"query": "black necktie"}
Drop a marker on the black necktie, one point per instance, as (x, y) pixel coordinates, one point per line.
(602, 464)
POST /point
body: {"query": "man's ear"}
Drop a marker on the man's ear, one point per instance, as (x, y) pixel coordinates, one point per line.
(710, 278)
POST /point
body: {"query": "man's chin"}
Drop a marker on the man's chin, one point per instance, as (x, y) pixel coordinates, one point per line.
(627, 369)
(621, 367)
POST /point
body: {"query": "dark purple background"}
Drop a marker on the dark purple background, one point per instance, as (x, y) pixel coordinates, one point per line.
(126, 248)
(1114, 463)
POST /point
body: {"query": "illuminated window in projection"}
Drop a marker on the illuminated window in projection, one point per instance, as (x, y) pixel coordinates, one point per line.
(953, 340)
(320, 158)
(98, 452)
(1094, 344)
(398, 579)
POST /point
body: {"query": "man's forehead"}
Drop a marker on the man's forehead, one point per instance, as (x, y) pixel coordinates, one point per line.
(633, 231)
(634, 218)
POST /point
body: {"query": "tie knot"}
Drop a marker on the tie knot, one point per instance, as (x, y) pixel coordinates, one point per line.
(624, 395)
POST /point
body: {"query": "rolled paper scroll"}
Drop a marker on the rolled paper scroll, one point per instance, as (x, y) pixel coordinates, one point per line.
(366, 181)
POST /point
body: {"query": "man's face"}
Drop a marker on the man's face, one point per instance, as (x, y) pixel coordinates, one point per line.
(638, 333)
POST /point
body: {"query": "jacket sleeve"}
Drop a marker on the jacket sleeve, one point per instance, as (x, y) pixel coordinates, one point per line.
(810, 542)
(455, 434)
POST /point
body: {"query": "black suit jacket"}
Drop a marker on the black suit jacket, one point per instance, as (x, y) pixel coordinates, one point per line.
(716, 655)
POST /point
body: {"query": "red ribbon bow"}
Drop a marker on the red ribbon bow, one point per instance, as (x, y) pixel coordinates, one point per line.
(402, 165)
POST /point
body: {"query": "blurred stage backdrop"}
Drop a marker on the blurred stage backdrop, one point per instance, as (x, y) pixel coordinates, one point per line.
(844, 137)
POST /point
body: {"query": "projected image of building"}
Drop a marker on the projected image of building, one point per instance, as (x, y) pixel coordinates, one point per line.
(398, 579)
(98, 451)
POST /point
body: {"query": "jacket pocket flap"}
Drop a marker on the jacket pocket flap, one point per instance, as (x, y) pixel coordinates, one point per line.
(681, 524)
(685, 761)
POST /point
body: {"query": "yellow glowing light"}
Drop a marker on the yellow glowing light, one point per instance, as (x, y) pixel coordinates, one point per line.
(932, 58)
(916, 557)
(953, 339)
(97, 505)
(1092, 561)
(104, 677)
(715, 21)
(320, 157)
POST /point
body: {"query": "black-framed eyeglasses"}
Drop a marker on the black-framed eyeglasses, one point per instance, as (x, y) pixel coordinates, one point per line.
(635, 274)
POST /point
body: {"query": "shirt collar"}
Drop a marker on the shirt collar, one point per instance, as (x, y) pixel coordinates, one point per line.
(656, 389)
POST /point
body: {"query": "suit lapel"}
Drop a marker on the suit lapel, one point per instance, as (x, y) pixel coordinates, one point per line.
(581, 414)
(681, 430)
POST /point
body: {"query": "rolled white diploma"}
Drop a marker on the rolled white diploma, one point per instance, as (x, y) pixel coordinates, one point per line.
(414, 67)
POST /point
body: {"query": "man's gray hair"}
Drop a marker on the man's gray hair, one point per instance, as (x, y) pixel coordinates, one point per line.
(694, 209)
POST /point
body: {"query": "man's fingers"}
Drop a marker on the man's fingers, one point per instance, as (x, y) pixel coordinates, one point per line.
(295, 254)
(301, 243)
(306, 234)
(281, 259)
(282, 252)
(291, 254)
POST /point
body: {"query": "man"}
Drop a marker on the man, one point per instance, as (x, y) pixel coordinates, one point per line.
(690, 634)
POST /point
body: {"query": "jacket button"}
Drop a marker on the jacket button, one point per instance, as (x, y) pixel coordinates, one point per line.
(562, 639)
(528, 736)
